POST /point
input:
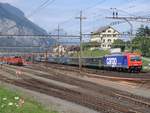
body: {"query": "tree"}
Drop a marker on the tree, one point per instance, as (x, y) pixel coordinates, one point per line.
(119, 44)
(143, 31)
(140, 31)
(142, 41)
(90, 44)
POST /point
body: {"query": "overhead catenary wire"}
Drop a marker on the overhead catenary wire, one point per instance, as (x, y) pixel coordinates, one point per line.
(76, 13)
(42, 6)
(96, 4)
(104, 9)
(62, 36)
(98, 15)
(125, 12)
(122, 22)
(88, 8)
(102, 1)
(45, 3)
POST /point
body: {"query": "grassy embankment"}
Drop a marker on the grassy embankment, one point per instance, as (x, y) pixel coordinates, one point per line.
(11, 102)
(146, 62)
(93, 53)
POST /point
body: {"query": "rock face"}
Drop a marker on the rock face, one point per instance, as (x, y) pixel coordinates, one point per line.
(14, 22)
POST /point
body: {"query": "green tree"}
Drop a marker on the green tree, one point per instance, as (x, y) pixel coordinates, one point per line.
(119, 44)
(88, 45)
(142, 41)
(142, 44)
(140, 31)
(143, 31)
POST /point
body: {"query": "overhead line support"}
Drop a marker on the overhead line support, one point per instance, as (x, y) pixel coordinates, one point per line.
(81, 18)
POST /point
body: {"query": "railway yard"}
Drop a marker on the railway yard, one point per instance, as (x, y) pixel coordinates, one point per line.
(73, 56)
(98, 90)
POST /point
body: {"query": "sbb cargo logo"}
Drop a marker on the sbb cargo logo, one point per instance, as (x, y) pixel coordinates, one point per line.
(111, 61)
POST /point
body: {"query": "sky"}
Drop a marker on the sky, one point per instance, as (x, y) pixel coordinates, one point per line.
(63, 12)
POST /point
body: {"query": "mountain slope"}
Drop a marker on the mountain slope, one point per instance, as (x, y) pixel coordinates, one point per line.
(14, 22)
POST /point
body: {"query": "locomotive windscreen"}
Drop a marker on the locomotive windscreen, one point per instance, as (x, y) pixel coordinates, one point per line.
(135, 58)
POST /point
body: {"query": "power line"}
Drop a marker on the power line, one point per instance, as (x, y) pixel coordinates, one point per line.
(125, 12)
(35, 36)
(103, 2)
(100, 2)
(43, 5)
(132, 15)
(49, 3)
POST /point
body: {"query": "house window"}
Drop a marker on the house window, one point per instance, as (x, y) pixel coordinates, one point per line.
(104, 45)
(109, 45)
(114, 35)
(108, 35)
(104, 35)
(109, 40)
(109, 31)
(103, 40)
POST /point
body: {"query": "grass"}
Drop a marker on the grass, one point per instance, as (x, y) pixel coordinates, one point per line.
(10, 103)
(146, 64)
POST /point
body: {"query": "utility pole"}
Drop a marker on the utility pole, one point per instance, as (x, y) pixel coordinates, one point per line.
(46, 59)
(81, 18)
(58, 39)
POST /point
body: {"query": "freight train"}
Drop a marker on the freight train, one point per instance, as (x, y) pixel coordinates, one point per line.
(130, 62)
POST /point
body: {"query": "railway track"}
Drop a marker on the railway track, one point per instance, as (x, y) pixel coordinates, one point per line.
(133, 79)
(68, 79)
(145, 75)
(122, 97)
(96, 103)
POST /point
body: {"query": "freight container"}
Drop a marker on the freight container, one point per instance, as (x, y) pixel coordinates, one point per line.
(116, 61)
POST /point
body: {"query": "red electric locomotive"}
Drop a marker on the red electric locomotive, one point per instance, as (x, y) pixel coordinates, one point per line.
(14, 60)
(124, 61)
(134, 61)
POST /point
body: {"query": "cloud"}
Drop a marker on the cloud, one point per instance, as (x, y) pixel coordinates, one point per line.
(10, 1)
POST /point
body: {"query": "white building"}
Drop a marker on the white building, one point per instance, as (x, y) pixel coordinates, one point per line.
(59, 50)
(105, 36)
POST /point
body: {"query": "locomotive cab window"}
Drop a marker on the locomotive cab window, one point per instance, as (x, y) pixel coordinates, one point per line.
(136, 58)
